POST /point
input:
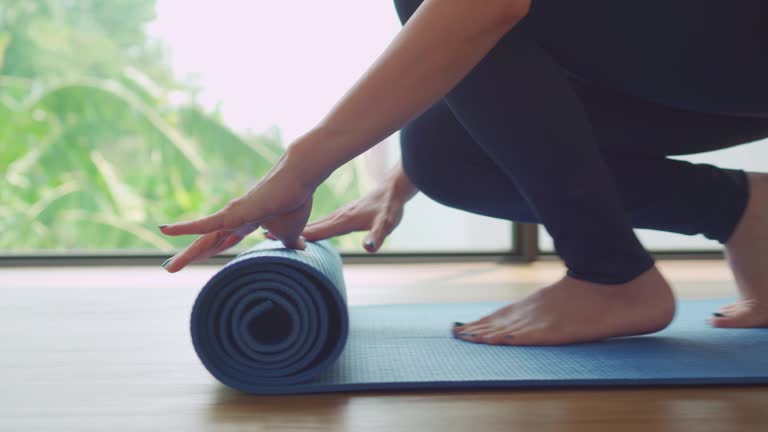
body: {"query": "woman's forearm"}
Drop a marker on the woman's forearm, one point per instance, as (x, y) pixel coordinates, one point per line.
(438, 46)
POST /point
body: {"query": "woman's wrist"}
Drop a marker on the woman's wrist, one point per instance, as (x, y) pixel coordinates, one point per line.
(399, 186)
(307, 159)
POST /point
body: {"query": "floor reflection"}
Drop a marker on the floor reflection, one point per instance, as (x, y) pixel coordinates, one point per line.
(299, 411)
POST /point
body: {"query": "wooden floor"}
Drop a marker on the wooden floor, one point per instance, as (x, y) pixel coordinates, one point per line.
(108, 349)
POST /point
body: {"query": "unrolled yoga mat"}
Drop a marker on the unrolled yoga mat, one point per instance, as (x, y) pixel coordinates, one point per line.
(275, 321)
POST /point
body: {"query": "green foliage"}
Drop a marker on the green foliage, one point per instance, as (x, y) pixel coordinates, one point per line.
(76, 38)
(92, 158)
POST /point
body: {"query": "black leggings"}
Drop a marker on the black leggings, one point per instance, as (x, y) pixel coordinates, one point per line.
(569, 120)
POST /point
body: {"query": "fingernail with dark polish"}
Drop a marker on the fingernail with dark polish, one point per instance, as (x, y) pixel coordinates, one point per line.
(718, 314)
(166, 262)
(162, 226)
(467, 334)
(458, 324)
(508, 337)
(370, 243)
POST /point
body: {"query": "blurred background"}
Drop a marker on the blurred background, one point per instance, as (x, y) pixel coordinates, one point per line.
(116, 116)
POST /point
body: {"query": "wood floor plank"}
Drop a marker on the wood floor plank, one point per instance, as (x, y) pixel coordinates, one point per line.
(108, 349)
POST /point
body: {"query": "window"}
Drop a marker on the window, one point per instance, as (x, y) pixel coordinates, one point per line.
(118, 116)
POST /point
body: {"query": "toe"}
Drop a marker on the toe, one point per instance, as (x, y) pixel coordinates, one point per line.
(496, 315)
(545, 334)
(728, 308)
(736, 320)
(472, 328)
(462, 327)
(458, 328)
(474, 334)
(524, 336)
(481, 326)
(481, 334)
(505, 335)
(467, 337)
(499, 337)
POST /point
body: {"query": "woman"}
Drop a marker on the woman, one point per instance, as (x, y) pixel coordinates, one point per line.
(556, 112)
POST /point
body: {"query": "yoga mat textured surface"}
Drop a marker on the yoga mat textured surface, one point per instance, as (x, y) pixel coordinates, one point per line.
(274, 321)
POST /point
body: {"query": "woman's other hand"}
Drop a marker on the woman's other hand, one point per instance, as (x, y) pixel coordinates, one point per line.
(379, 212)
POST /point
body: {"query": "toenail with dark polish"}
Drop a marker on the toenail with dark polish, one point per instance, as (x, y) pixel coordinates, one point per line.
(718, 314)
(458, 324)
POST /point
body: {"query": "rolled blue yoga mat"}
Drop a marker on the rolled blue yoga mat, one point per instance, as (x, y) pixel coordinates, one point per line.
(275, 321)
(272, 317)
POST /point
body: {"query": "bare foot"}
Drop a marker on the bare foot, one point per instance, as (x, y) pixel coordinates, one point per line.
(747, 254)
(573, 311)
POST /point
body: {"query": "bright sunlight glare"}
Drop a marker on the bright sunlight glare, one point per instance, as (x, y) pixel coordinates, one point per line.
(268, 63)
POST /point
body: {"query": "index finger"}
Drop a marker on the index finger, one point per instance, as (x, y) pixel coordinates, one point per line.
(223, 219)
(199, 248)
(329, 227)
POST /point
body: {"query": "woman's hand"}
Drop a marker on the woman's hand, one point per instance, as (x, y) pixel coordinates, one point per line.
(376, 212)
(280, 202)
(379, 212)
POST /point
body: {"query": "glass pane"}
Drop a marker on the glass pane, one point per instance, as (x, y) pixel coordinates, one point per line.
(749, 157)
(118, 116)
